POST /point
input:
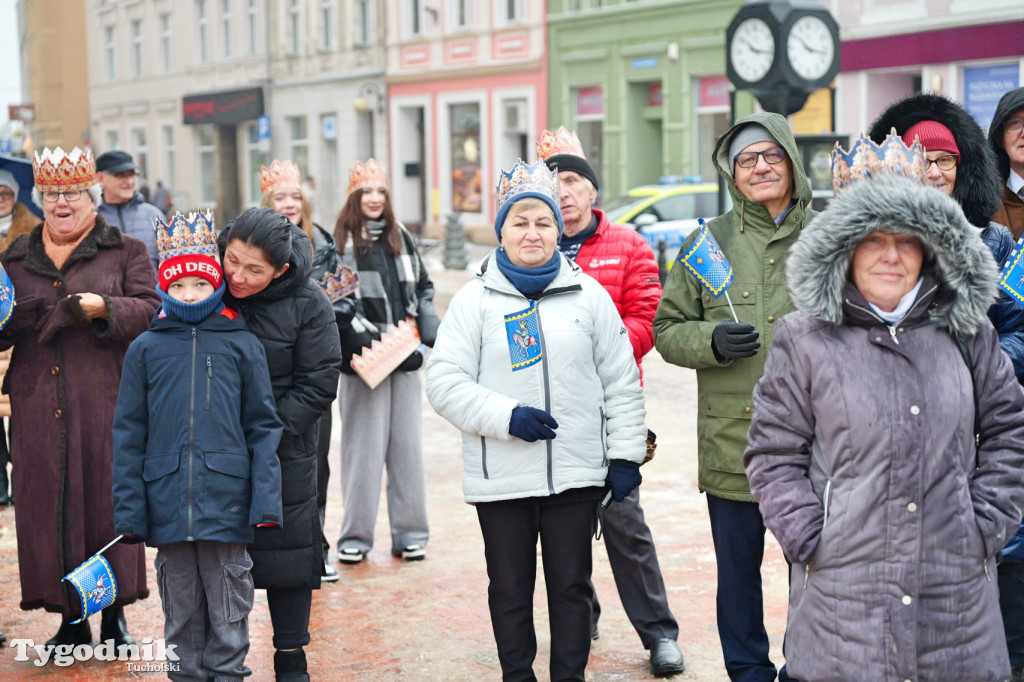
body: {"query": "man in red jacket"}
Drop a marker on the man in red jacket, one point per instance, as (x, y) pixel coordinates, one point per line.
(624, 264)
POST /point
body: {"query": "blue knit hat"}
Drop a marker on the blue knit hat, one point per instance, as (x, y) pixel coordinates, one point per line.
(525, 181)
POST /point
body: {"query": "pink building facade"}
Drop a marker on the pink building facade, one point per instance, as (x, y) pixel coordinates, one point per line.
(467, 96)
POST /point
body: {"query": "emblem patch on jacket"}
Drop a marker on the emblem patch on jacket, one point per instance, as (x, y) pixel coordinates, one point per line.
(523, 337)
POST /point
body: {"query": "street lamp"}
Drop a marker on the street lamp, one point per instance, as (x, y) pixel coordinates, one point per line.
(362, 105)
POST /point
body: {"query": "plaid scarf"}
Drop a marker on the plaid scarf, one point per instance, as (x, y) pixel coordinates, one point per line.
(373, 295)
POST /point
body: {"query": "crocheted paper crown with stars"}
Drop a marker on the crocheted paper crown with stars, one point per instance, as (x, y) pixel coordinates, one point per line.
(527, 180)
(866, 159)
(57, 171)
(187, 247)
(365, 174)
(561, 141)
(279, 173)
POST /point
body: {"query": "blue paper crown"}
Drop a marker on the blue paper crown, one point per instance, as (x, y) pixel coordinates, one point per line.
(534, 178)
(340, 283)
(191, 236)
(866, 159)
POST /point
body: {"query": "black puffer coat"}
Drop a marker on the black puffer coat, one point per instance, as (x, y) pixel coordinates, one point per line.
(977, 189)
(293, 320)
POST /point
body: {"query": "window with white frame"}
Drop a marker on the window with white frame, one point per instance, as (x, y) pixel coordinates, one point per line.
(137, 48)
(460, 14)
(254, 27)
(110, 52)
(510, 11)
(207, 152)
(140, 151)
(225, 24)
(170, 157)
(293, 26)
(165, 42)
(299, 143)
(203, 36)
(363, 16)
(113, 140)
(413, 17)
(326, 12)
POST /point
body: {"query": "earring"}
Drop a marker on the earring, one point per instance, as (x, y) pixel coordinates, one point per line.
(501, 248)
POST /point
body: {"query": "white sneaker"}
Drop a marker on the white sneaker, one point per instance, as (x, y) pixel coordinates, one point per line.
(350, 555)
(328, 575)
(414, 553)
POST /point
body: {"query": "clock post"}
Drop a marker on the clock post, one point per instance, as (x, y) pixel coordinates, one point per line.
(782, 51)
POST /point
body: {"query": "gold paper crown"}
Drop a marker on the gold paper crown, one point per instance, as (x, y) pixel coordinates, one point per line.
(384, 355)
(339, 284)
(191, 236)
(523, 178)
(559, 142)
(56, 171)
(362, 175)
(279, 173)
(866, 159)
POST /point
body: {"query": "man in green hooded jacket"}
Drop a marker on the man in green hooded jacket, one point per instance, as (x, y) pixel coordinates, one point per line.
(771, 203)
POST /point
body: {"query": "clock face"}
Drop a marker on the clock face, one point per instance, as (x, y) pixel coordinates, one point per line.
(752, 50)
(810, 47)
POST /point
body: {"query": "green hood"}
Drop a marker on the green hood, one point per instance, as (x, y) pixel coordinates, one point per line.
(779, 129)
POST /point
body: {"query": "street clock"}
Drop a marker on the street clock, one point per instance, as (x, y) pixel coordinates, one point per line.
(782, 50)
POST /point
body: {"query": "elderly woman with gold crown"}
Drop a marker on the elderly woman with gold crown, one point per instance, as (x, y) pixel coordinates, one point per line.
(862, 452)
(281, 185)
(534, 365)
(84, 292)
(393, 286)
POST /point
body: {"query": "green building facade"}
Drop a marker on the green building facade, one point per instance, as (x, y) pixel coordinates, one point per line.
(643, 83)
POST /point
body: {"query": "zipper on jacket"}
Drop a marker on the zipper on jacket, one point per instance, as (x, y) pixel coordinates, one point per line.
(483, 456)
(604, 446)
(209, 378)
(120, 219)
(828, 491)
(807, 573)
(984, 562)
(892, 333)
(547, 399)
(191, 431)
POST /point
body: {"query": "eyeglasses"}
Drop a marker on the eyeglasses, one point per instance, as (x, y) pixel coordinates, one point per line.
(771, 156)
(1014, 125)
(70, 195)
(6, 196)
(944, 162)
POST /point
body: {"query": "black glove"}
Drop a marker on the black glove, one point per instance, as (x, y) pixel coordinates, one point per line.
(531, 424)
(623, 476)
(734, 340)
(411, 363)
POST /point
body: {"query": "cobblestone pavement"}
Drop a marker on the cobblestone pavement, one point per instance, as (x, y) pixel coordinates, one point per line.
(428, 620)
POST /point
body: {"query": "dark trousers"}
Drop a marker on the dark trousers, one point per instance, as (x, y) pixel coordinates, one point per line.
(1011, 603)
(637, 573)
(510, 531)
(289, 614)
(323, 473)
(738, 533)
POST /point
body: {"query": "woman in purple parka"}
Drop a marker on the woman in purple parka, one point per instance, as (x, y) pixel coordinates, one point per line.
(84, 291)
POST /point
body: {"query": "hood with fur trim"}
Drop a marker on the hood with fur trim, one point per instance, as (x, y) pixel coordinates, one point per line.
(978, 186)
(1008, 103)
(818, 264)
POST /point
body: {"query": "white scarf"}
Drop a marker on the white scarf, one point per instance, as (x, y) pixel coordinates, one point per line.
(901, 310)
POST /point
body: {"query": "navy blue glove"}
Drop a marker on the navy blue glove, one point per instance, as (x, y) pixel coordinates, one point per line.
(623, 476)
(531, 424)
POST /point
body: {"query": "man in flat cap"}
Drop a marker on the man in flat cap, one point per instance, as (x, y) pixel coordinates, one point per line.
(123, 204)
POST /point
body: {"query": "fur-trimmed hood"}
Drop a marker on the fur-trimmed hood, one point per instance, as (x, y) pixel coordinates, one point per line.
(978, 186)
(818, 264)
(1008, 103)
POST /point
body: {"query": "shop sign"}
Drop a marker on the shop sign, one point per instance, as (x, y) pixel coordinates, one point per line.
(590, 101)
(714, 91)
(985, 85)
(654, 94)
(235, 106)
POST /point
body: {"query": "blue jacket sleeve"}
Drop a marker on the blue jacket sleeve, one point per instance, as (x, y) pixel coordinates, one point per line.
(262, 436)
(1006, 315)
(130, 435)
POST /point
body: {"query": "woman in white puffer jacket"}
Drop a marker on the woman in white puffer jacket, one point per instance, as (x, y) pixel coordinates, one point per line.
(533, 364)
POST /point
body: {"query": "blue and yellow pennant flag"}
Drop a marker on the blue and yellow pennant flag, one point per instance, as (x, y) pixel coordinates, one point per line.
(523, 334)
(1012, 279)
(707, 263)
(6, 297)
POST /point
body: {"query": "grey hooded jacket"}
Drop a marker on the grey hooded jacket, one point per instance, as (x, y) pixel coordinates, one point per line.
(862, 456)
(136, 219)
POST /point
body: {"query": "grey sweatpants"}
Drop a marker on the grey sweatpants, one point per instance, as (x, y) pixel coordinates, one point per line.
(382, 429)
(206, 591)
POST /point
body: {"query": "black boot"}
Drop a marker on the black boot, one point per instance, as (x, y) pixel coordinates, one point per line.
(72, 634)
(290, 666)
(113, 626)
(5, 497)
